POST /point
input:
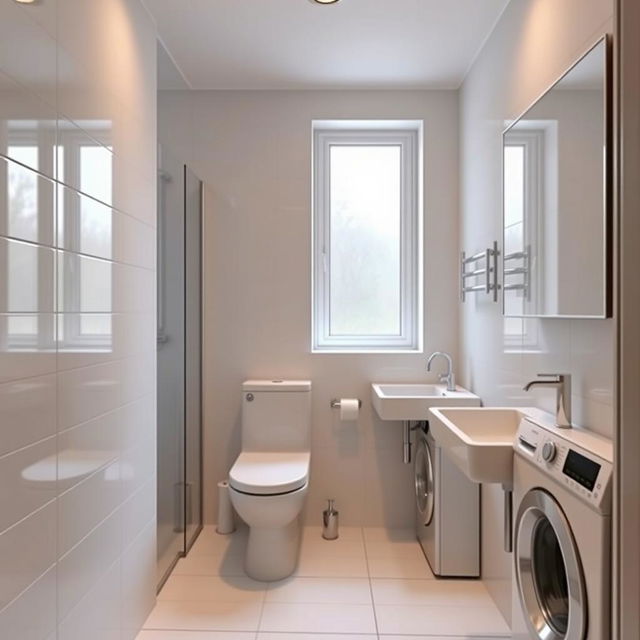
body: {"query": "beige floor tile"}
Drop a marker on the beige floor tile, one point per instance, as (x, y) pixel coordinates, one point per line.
(399, 562)
(213, 589)
(323, 565)
(195, 635)
(444, 621)
(205, 616)
(317, 636)
(381, 534)
(341, 558)
(221, 564)
(348, 543)
(210, 543)
(347, 534)
(462, 593)
(209, 596)
(470, 637)
(320, 590)
(318, 618)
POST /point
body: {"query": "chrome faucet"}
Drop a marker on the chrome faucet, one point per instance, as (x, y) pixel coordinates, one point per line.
(561, 382)
(448, 377)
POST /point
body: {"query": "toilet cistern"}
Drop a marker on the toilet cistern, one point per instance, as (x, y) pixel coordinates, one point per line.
(448, 377)
(561, 382)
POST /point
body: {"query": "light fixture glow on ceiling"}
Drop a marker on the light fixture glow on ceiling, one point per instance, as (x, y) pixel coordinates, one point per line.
(324, 1)
(26, 1)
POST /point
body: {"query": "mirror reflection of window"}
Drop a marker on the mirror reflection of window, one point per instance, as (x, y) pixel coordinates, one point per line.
(555, 200)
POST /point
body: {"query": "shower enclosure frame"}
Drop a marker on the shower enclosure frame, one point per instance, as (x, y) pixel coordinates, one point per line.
(180, 506)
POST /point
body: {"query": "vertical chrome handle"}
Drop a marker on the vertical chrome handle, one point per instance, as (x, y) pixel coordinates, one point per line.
(487, 273)
(496, 285)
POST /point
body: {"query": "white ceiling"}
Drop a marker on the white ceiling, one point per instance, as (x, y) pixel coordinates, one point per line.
(297, 44)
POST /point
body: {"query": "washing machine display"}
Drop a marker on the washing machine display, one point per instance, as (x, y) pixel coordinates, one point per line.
(581, 469)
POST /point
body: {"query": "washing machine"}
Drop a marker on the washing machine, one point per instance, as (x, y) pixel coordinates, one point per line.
(562, 534)
(447, 511)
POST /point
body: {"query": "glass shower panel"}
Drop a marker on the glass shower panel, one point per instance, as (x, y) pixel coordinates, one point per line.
(171, 363)
(179, 361)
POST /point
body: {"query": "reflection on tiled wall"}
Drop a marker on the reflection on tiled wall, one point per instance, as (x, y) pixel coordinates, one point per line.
(77, 319)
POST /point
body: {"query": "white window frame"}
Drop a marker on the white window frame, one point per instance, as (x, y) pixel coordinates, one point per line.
(408, 136)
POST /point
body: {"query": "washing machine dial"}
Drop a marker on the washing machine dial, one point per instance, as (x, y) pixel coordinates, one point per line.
(549, 451)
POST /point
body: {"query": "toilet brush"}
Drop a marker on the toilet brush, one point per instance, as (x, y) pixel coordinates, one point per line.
(330, 522)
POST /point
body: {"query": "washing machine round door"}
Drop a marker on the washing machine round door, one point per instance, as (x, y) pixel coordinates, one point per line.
(548, 570)
(424, 483)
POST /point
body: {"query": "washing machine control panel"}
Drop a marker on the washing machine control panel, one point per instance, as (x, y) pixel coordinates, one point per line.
(579, 469)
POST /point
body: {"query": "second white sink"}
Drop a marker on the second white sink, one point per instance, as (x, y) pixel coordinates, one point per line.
(413, 401)
(479, 440)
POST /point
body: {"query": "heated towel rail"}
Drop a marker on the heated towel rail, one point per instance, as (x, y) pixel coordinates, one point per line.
(485, 264)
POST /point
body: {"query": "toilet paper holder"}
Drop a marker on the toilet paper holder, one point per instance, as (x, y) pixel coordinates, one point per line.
(335, 404)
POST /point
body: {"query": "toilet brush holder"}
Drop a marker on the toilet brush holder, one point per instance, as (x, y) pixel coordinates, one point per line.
(330, 522)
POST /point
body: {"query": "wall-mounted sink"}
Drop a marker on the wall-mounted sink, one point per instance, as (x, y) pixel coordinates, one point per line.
(479, 440)
(413, 401)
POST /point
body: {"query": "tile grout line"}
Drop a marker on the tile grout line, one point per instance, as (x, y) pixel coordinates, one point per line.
(373, 602)
(262, 605)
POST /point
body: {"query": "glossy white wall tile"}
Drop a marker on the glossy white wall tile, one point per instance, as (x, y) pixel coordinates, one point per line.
(27, 481)
(32, 615)
(98, 614)
(532, 44)
(138, 580)
(77, 317)
(86, 563)
(27, 412)
(88, 392)
(27, 550)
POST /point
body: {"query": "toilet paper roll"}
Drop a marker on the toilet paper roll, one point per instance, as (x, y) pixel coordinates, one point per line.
(225, 510)
(349, 409)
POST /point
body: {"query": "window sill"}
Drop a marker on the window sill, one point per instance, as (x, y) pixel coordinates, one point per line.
(367, 351)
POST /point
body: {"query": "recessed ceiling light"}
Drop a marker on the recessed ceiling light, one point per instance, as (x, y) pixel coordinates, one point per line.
(26, 1)
(325, 1)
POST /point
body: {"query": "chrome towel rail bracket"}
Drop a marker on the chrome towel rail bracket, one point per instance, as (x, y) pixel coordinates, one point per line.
(484, 263)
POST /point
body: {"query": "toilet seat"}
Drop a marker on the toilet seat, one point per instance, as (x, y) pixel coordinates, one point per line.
(270, 473)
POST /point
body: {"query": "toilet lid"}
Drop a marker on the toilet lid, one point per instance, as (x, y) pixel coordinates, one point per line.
(270, 473)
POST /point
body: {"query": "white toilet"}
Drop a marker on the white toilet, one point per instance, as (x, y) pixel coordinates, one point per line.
(268, 482)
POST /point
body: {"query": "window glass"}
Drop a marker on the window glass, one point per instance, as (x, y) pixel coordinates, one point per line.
(365, 240)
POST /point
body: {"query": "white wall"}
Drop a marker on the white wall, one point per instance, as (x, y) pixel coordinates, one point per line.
(77, 319)
(533, 43)
(253, 150)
